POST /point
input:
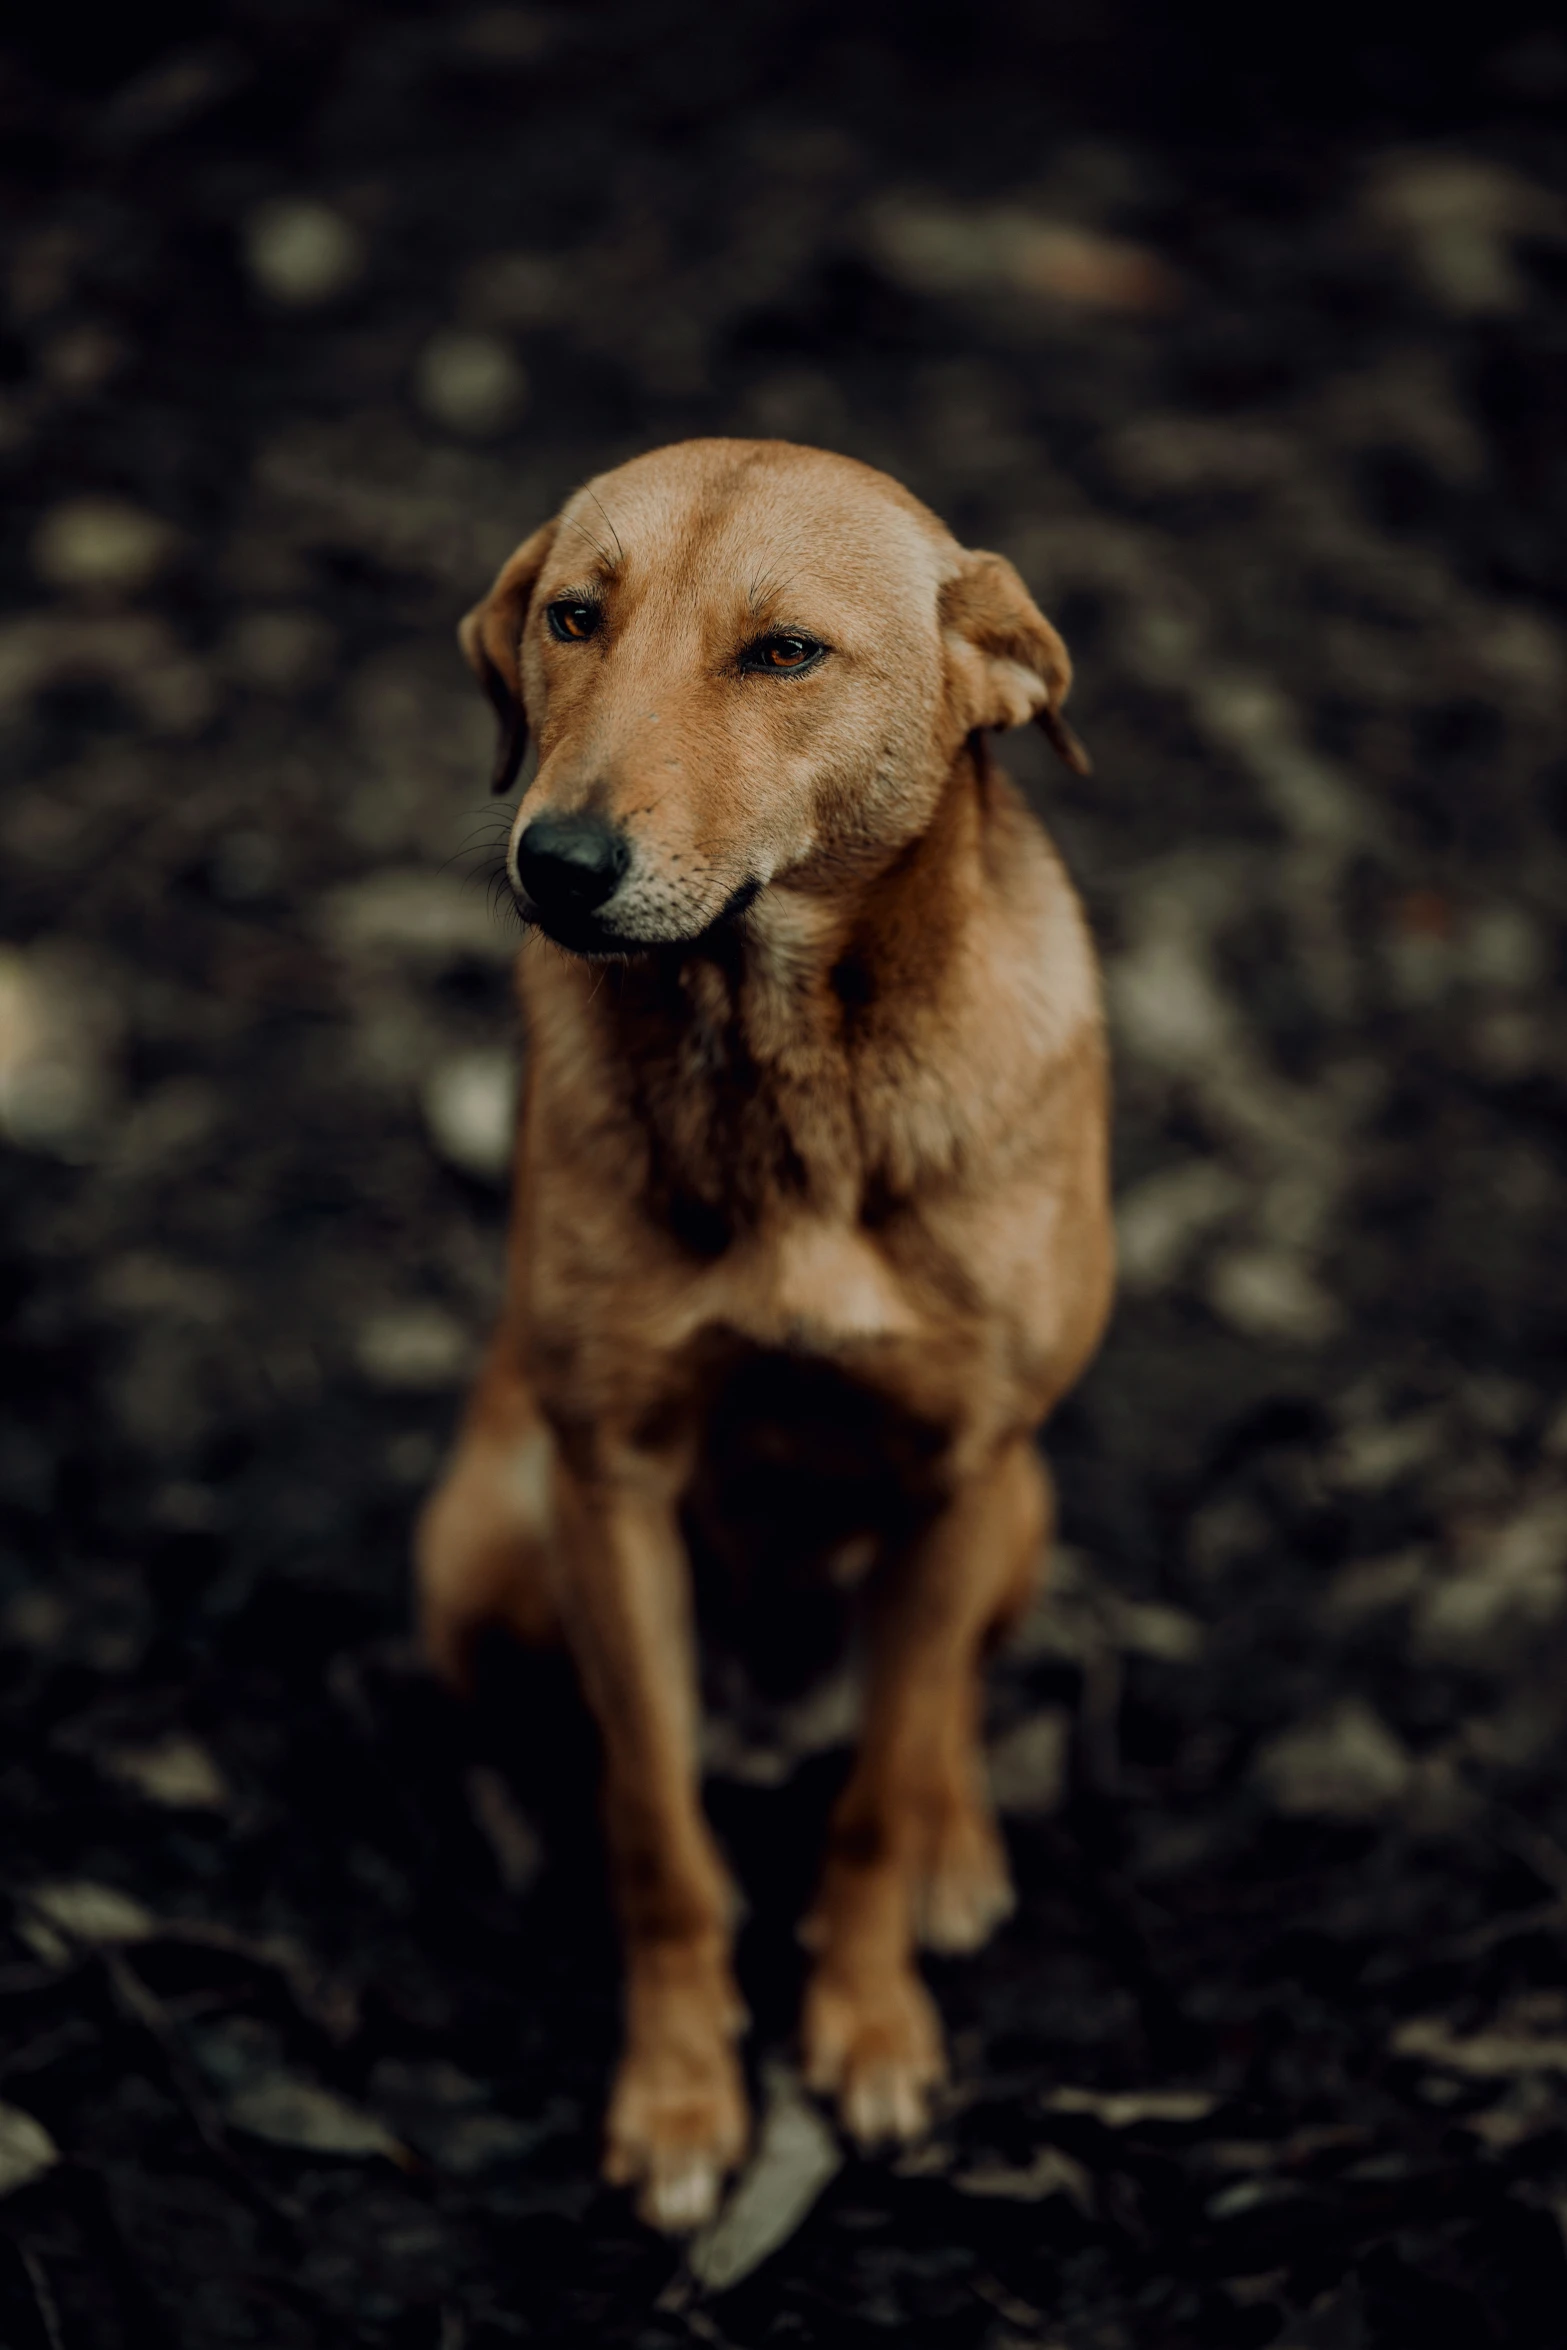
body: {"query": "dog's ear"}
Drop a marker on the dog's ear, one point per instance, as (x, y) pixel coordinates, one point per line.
(491, 639)
(1006, 662)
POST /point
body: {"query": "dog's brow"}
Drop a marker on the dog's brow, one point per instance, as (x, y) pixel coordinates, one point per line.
(620, 552)
(766, 587)
(609, 562)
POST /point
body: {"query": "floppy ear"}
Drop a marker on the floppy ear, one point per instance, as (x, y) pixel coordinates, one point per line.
(491, 639)
(1007, 663)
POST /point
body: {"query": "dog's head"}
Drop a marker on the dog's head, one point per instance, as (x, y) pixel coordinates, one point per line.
(744, 662)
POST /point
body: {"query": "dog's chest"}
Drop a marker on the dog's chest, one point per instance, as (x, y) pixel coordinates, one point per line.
(811, 1283)
(790, 1167)
(767, 1094)
(805, 1478)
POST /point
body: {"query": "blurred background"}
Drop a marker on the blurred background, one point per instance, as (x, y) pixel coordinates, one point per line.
(1249, 346)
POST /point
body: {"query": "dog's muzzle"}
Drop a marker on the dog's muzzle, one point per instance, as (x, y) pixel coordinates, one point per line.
(565, 868)
(569, 866)
(566, 872)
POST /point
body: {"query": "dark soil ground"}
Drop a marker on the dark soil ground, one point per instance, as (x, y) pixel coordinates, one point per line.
(1257, 365)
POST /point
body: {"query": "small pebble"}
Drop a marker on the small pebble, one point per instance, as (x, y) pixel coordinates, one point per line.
(471, 383)
(101, 546)
(413, 1347)
(26, 2149)
(54, 1081)
(470, 1107)
(301, 253)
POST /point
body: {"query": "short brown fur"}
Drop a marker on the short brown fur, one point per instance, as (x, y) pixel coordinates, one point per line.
(858, 1121)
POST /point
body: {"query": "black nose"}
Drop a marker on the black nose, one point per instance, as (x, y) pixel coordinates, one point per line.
(570, 864)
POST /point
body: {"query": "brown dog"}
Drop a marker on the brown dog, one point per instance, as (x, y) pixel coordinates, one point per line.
(811, 1226)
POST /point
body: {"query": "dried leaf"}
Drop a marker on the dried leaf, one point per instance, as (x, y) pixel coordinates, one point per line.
(1456, 218)
(1272, 1293)
(946, 249)
(26, 2149)
(1492, 2055)
(413, 1348)
(1529, 2108)
(1161, 1221)
(510, 1834)
(442, 2111)
(476, 2142)
(1505, 1587)
(796, 2154)
(927, 2158)
(176, 1772)
(1048, 2172)
(99, 1915)
(1123, 2109)
(1149, 1628)
(1344, 1764)
(299, 2114)
(1250, 2195)
(1028, 1763)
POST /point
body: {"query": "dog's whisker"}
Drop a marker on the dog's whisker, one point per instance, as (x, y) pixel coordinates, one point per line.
(600, 550)
(477, 857)
(620, 551)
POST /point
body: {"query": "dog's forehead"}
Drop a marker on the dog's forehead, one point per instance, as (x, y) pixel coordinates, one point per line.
(763, 518)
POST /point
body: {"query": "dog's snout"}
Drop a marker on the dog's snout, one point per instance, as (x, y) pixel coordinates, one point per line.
(571, 864)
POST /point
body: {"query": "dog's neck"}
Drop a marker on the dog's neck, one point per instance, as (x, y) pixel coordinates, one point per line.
(743, 1059)
(818, 962)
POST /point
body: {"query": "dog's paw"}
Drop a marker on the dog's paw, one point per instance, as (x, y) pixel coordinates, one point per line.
(876, 2047)
(964, 1890)
(676, 2128)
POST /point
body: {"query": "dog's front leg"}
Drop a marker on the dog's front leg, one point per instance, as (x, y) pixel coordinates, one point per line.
(913, 1850)
(677, 2117)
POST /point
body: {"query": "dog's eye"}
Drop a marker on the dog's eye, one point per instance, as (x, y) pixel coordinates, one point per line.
(782, 653)
(572, 623)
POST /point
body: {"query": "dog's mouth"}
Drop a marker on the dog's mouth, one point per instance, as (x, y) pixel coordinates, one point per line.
(579, 934)
(597, 940)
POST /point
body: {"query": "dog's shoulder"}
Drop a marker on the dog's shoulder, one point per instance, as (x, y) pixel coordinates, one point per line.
(1037, 954)
(959, 1070)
